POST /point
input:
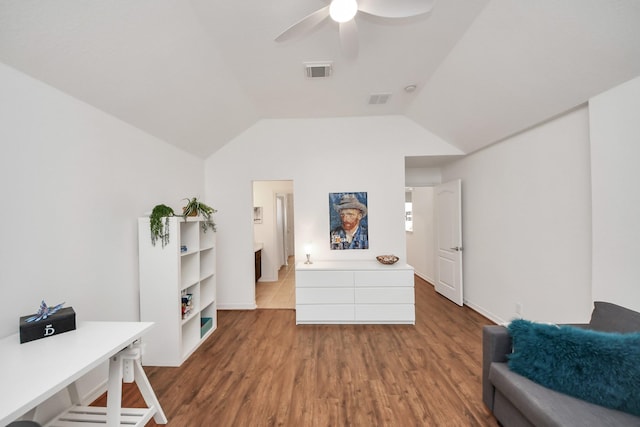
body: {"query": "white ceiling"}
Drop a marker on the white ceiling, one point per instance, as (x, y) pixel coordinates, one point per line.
(197, 73)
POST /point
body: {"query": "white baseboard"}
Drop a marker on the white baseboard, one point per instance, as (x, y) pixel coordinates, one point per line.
(484, 312)
(469, 304)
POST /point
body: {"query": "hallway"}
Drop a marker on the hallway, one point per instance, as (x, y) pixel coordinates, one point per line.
(280, 294)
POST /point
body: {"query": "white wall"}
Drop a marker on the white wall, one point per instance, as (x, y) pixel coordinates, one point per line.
(264, 194)
(420, 177)
(421, 241)
(615, 152)
(74, 180)
(321, 156)
(527, 223)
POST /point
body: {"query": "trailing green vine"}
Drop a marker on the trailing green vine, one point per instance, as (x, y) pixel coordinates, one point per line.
(160, 229)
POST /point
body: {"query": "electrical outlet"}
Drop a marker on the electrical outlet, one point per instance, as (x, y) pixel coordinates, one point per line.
(519, 309)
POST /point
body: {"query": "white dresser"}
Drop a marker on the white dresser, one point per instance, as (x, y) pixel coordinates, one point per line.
(354, 292)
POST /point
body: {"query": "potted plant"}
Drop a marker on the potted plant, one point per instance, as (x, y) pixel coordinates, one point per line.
(159, 228)
(195, 207)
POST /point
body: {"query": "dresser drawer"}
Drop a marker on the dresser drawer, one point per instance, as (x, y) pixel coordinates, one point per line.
(325, 313)
(383, 278)
(380, 295)
(384, 313)
(324, 296)
(314, 278)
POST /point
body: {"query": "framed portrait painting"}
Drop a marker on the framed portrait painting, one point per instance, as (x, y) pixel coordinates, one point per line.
(348, 219)
(257, 214)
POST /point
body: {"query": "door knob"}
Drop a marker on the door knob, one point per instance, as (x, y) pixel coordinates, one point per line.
(457, 248)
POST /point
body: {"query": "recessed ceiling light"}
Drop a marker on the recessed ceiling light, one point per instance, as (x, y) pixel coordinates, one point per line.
(410, 88)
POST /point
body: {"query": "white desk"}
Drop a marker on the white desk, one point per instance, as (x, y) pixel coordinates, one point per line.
(32, 372)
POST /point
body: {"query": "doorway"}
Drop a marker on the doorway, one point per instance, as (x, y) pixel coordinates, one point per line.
(433, 236)
(273, 233)
(448, 203)
(420, 231)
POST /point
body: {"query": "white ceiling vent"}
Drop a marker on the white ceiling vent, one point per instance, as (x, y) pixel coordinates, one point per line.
(379, 98)
(316, 70)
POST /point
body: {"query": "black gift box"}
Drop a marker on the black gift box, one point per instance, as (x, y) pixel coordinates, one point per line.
(64, 320)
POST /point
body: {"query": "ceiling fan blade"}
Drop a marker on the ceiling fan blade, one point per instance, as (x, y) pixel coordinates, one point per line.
(395, 8)
(304, 25)
(349, 38)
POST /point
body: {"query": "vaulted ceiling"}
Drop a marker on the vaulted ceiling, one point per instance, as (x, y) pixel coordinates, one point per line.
(197, 73)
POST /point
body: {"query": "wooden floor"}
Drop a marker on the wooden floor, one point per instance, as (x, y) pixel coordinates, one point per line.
(260, 369)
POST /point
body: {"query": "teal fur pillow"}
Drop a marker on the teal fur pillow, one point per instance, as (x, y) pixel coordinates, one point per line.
(599, 367)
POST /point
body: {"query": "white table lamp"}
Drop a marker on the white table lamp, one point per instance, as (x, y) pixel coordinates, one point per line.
(307, 251)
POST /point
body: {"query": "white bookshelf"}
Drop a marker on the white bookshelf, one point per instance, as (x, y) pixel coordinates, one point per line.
(166, 274)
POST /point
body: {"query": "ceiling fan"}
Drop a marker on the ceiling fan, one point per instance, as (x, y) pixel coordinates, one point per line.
(344, 11)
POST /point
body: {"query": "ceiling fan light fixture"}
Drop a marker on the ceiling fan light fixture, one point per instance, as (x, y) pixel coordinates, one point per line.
(343, 10)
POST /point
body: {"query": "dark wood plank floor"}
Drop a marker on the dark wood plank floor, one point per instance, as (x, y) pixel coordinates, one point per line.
(260, 369)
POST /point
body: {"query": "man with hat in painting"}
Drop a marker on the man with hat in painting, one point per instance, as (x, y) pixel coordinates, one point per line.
(350, 234)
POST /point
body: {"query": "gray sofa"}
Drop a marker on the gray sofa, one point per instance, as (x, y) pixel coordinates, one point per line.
(517, 401)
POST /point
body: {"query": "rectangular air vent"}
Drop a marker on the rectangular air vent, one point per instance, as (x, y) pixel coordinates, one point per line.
(379, 98)
(318, 70)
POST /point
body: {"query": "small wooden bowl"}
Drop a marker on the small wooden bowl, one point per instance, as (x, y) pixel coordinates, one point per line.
(387, 259)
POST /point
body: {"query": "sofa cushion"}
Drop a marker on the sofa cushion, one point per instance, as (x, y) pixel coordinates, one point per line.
(609, 317)
(544, 407)
(599, 367)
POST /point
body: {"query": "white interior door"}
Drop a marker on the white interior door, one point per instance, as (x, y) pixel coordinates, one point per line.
(448, 206)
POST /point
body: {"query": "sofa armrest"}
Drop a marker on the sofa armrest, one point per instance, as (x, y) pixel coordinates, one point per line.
(496, 344)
